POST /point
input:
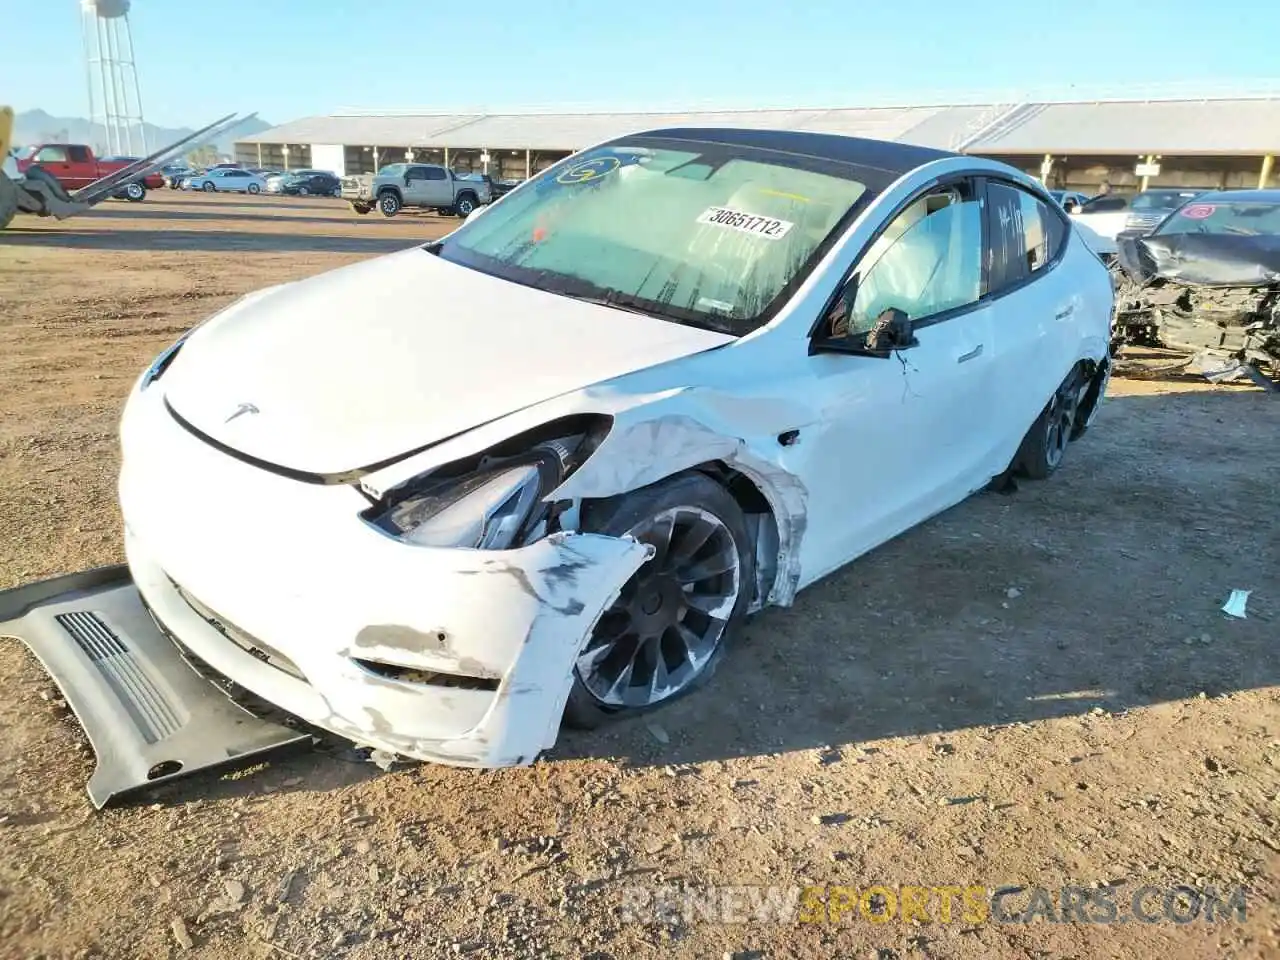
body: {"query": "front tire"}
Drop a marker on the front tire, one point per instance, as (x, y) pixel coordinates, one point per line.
(673, 620)
(388, 204)
(1045, 445)
(303, 191)
(209, 187)
(253, 188)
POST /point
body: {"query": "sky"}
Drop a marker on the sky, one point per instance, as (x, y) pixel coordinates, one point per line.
(291, 58)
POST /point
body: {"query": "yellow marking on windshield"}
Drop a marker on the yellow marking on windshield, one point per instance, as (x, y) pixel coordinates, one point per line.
(789, 196)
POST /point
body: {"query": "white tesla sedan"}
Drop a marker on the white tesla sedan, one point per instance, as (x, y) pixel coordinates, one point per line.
(542, 469)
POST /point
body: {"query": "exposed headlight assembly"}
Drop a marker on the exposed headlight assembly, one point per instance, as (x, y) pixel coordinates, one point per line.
(495, 505)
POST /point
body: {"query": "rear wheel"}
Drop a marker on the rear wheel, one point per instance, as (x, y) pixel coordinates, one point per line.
(388, 204)
(465, 205)
(135, 192)
(1045, 444)
(361, 208)
(669, 627)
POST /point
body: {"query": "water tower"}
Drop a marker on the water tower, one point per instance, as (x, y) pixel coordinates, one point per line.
(115, 102)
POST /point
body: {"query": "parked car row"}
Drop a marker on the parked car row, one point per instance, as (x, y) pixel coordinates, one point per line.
(228, 178)
(1102, 219)
(303, 183)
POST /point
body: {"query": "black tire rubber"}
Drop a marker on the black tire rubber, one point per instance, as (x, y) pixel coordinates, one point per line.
(614, 517)
(135, 195)
(389, 199)
(360, 208)
(463, 199)
(253, 188)
(1034, 460)
(303, 192)
(1092, 397)
(208, 187)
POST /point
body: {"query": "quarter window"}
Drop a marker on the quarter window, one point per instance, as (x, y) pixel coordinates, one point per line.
(927, 261)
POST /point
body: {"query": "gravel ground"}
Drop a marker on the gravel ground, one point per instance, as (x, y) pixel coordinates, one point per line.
(1036, 691)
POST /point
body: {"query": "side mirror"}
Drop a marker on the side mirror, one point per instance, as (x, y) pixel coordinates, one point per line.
(892, 331)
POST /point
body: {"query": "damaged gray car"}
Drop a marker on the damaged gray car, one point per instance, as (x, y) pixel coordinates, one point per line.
(1206, 284)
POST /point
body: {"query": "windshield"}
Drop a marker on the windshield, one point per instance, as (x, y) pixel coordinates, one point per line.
(1243, 218)
(700, 233)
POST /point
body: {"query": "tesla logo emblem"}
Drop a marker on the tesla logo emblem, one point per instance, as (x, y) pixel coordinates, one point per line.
(241, 410)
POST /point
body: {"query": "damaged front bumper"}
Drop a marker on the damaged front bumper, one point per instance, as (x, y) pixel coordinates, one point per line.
(1184, 294)
(457, 656)
(148, 714)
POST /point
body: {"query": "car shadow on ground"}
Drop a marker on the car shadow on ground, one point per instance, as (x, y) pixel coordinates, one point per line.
(198, 198)
(1099, 589)
(203, 240)
(274, 213)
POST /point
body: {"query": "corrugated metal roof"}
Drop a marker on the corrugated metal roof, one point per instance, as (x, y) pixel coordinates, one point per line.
(1249, 126)
(1175, 127)
(408, 130)
(571, 131)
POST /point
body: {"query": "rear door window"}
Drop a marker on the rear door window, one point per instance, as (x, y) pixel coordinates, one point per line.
(1025, 235)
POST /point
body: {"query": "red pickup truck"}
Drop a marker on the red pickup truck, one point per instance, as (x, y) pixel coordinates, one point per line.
(75, 166)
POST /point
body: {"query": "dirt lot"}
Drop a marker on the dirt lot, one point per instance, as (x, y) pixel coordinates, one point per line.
(1034, 690)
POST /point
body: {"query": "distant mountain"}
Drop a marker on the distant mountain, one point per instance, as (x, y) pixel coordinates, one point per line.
(36, 126)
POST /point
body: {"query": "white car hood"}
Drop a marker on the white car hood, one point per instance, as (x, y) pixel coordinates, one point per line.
(364, 364)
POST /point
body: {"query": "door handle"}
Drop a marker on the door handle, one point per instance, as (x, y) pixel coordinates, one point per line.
(1065, 313)
(971, 355)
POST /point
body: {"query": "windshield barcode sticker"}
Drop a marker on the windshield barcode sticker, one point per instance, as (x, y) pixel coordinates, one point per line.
(771, 228)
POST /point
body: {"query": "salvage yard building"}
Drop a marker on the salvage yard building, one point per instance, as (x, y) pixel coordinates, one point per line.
(1212, 142)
